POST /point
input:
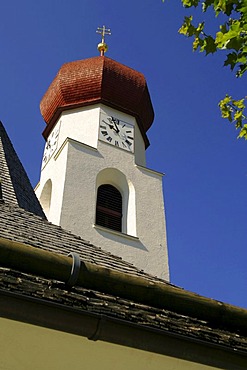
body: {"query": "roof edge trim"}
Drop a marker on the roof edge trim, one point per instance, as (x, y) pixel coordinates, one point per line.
(156, 294)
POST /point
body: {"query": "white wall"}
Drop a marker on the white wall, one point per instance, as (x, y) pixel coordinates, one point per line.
(80, 164)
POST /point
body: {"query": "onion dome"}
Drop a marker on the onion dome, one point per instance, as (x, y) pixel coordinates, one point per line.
(98, 80)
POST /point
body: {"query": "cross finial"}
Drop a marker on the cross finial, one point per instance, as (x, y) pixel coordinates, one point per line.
(102, 46)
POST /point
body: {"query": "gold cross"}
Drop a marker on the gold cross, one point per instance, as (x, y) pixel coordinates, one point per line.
(103, 31)
(102, 46)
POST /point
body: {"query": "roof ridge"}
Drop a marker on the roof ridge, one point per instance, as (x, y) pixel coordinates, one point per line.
(15, 184)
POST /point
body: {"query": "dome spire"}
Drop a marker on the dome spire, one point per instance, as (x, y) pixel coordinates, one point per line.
(102, 46)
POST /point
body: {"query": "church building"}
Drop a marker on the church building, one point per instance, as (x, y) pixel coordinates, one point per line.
(94, 180)
(84, 275)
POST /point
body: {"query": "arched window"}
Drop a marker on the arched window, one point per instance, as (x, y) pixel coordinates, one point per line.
(109, 207)
(45, 197)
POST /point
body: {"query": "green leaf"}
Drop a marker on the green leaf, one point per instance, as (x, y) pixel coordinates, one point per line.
(243, 132)
(231, 38)
(239, 103)
(242, 69)
(190, 3)
(231, 60)
(209, 45)
(235, 43)
(187, 28)
(206, 4)
(233, 110)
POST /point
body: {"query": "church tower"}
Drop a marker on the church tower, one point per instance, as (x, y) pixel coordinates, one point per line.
(94, 181)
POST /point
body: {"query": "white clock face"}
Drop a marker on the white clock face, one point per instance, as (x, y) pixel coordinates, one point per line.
(51, 145)
(116, 132)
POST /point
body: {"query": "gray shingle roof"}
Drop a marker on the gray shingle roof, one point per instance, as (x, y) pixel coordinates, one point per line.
(25, 227)
(16, 187)
(91, 301)
(22, 226)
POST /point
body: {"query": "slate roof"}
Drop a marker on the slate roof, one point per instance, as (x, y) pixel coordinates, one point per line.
(15, 184)
(22, 226)
(111, 306)
(18, 224)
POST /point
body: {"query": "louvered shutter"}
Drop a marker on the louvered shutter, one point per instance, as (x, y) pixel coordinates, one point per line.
(109, 207)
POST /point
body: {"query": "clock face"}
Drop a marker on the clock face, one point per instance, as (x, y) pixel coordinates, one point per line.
(51, 145)
(116, 132)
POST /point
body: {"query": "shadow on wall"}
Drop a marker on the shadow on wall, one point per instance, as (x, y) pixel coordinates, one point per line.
(120, 238)
(45, 198)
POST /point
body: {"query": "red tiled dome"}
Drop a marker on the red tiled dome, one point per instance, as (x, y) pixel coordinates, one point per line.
(98, 80)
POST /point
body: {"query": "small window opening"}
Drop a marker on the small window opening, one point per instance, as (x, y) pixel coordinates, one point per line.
(109, 207)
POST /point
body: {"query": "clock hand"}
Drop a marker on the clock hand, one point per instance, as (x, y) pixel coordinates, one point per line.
(115, 122)
(116, 128)
(111, 126)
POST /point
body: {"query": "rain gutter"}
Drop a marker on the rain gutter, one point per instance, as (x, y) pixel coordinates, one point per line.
(32, 260)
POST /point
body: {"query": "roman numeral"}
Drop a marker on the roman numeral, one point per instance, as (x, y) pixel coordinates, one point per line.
(109, 139)
(128, 131)
(128, 142)
(102, 126)
(130, 137)
(107, 123)
(115, 120)
(116, 143)
(104, 132)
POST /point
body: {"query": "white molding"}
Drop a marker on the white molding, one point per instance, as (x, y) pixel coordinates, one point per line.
(69, 140)
(161, 174)
(114, 232)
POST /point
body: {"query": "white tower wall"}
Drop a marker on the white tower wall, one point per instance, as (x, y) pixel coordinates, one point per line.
(80, 164)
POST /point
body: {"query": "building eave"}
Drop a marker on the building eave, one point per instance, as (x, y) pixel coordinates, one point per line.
(157, 294)
(95, 326)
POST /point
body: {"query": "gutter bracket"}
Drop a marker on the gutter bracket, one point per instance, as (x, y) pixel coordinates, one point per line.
(75, 270)
(97, 333)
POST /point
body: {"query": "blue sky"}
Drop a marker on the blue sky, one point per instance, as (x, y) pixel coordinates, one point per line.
(204, 163)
